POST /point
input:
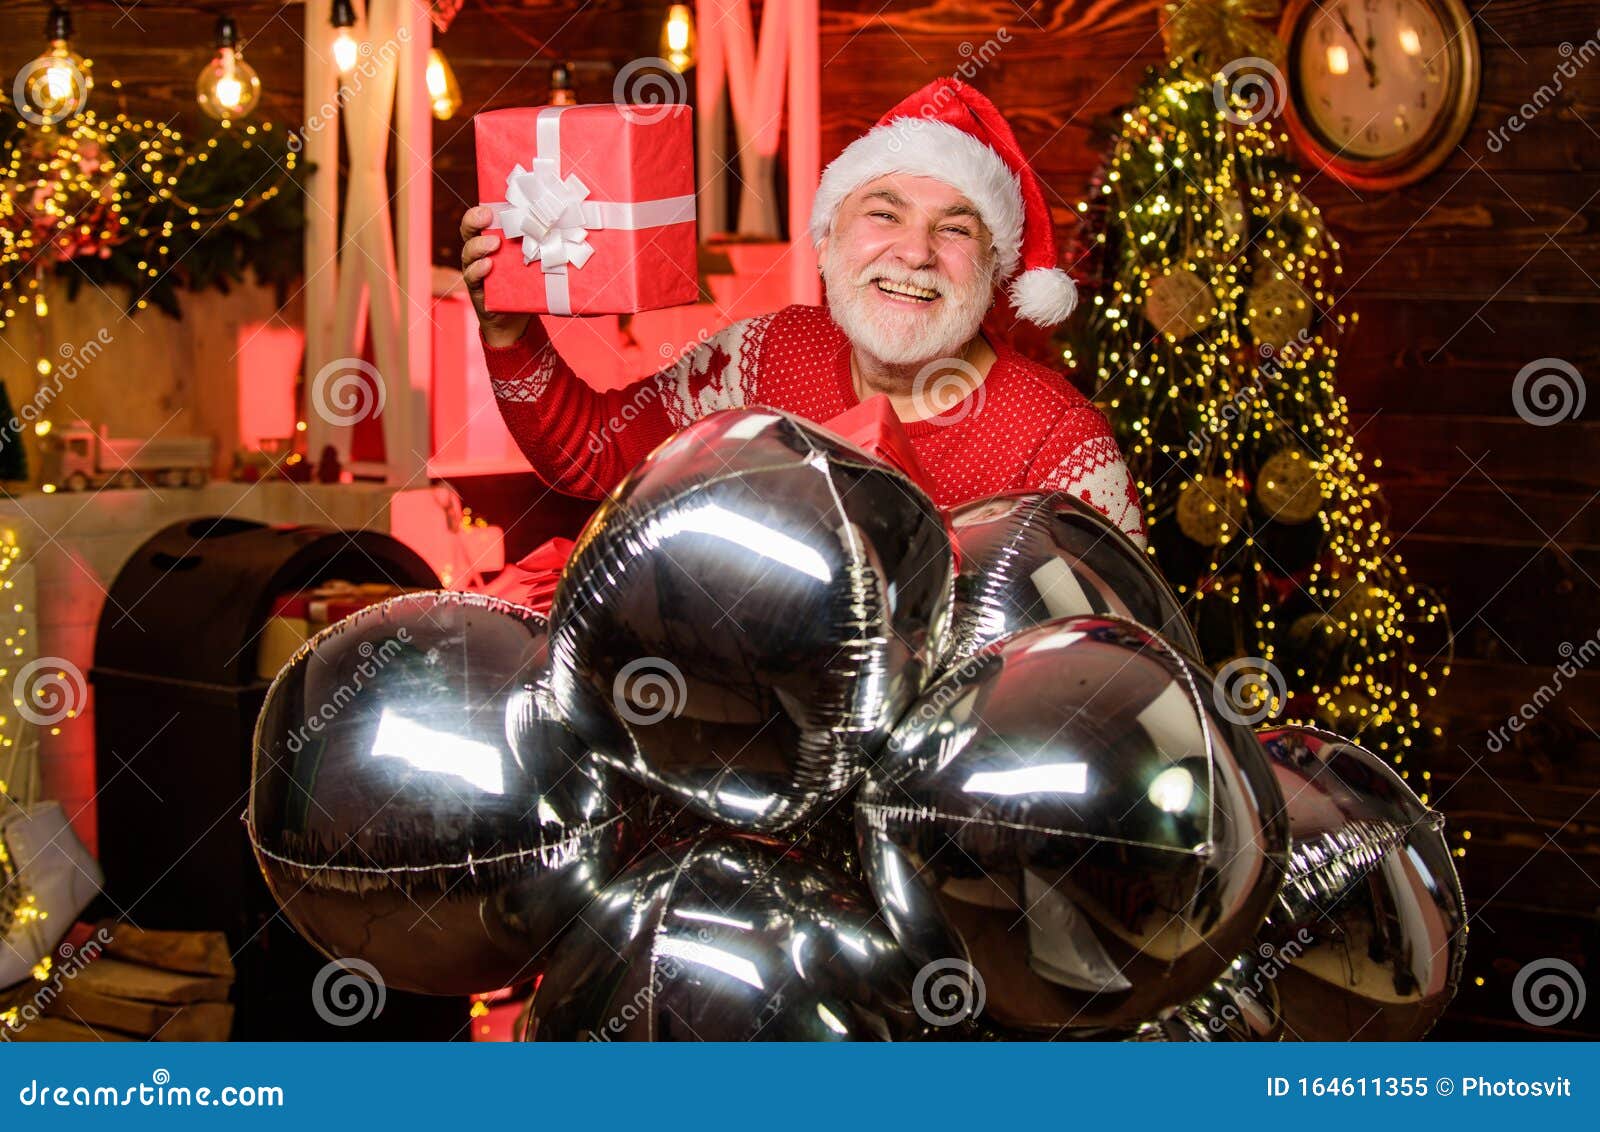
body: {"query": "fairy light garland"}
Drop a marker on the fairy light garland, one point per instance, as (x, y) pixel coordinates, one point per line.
(1200, 400)
(82, 189)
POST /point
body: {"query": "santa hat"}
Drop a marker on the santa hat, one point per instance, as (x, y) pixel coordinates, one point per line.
(949, 131)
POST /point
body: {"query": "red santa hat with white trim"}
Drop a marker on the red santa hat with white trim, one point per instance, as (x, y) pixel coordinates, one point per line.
(951, 132)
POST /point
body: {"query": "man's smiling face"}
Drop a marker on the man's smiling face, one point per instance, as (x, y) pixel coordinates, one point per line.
(910, 269)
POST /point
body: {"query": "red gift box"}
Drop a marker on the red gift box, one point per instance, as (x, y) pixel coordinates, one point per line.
(875, 428)
(595, 204)
(532, 581)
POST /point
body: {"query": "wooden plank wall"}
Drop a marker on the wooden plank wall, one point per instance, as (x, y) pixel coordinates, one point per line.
(1460, 281)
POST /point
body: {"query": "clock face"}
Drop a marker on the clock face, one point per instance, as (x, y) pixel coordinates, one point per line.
(1375, 76)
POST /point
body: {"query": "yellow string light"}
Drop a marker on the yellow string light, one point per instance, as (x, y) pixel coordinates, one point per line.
(1184, 188)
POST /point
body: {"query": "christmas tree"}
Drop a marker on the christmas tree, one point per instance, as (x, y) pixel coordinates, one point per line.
(1212, 334)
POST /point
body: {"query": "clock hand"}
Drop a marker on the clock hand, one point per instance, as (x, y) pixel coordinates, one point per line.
(1356, 42)
(1372, 66)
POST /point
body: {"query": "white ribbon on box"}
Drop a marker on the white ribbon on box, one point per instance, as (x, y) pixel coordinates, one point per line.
(553, 216)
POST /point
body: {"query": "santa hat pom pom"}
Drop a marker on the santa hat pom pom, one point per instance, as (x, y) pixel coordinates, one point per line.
(1044, 295)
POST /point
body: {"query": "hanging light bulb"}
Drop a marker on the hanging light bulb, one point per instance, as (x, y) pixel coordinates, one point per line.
(56, 84)
(228, 86)
(345, 48)
(443, 91)
(677, 38)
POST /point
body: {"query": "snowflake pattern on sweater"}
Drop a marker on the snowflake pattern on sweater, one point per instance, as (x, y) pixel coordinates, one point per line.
(1024, 427)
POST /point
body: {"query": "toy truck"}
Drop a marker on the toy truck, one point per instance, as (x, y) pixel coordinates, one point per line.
(78, 457)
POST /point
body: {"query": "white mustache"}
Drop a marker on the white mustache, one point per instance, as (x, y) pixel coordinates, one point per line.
(926, 282)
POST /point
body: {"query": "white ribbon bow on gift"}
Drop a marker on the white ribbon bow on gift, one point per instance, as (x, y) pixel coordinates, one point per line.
(553, 216)
(548, 214)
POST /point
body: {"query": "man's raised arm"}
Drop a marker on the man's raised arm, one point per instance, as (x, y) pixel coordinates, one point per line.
(578, 440)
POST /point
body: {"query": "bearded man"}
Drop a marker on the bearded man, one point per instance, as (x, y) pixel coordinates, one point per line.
(919, 224)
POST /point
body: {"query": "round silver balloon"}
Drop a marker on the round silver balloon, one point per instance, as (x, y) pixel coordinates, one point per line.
(417, 804)
(1069, 813)
(1027, 557)
(1240, 1006)
(729, 938)
(1371, 918)
(750, 610)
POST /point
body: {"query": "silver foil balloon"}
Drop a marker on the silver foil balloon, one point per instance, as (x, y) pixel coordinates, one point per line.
(1027, 557)
(749, 612)
(1240, 1006)
(729, 938)
(1371, 918)
(1069, 813)
(416, 803)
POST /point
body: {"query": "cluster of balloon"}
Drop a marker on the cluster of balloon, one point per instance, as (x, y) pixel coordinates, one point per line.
(1371, 925)
(751, 609)
(1063, 829)
(728, 938)
(1070, 817)
(417, 804)
(1028, 557)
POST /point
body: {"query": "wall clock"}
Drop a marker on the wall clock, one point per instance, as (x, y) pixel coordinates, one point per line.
(1380, 91)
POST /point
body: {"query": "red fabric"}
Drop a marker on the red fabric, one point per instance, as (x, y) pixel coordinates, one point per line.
(532, 581)
(873, 427)
(620, 156)
(953, 102)
(1024, 427)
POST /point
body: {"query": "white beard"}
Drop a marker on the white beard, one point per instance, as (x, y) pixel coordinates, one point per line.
(904, 338)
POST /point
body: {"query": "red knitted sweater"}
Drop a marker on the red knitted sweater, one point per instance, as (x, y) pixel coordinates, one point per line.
(1023, 427)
